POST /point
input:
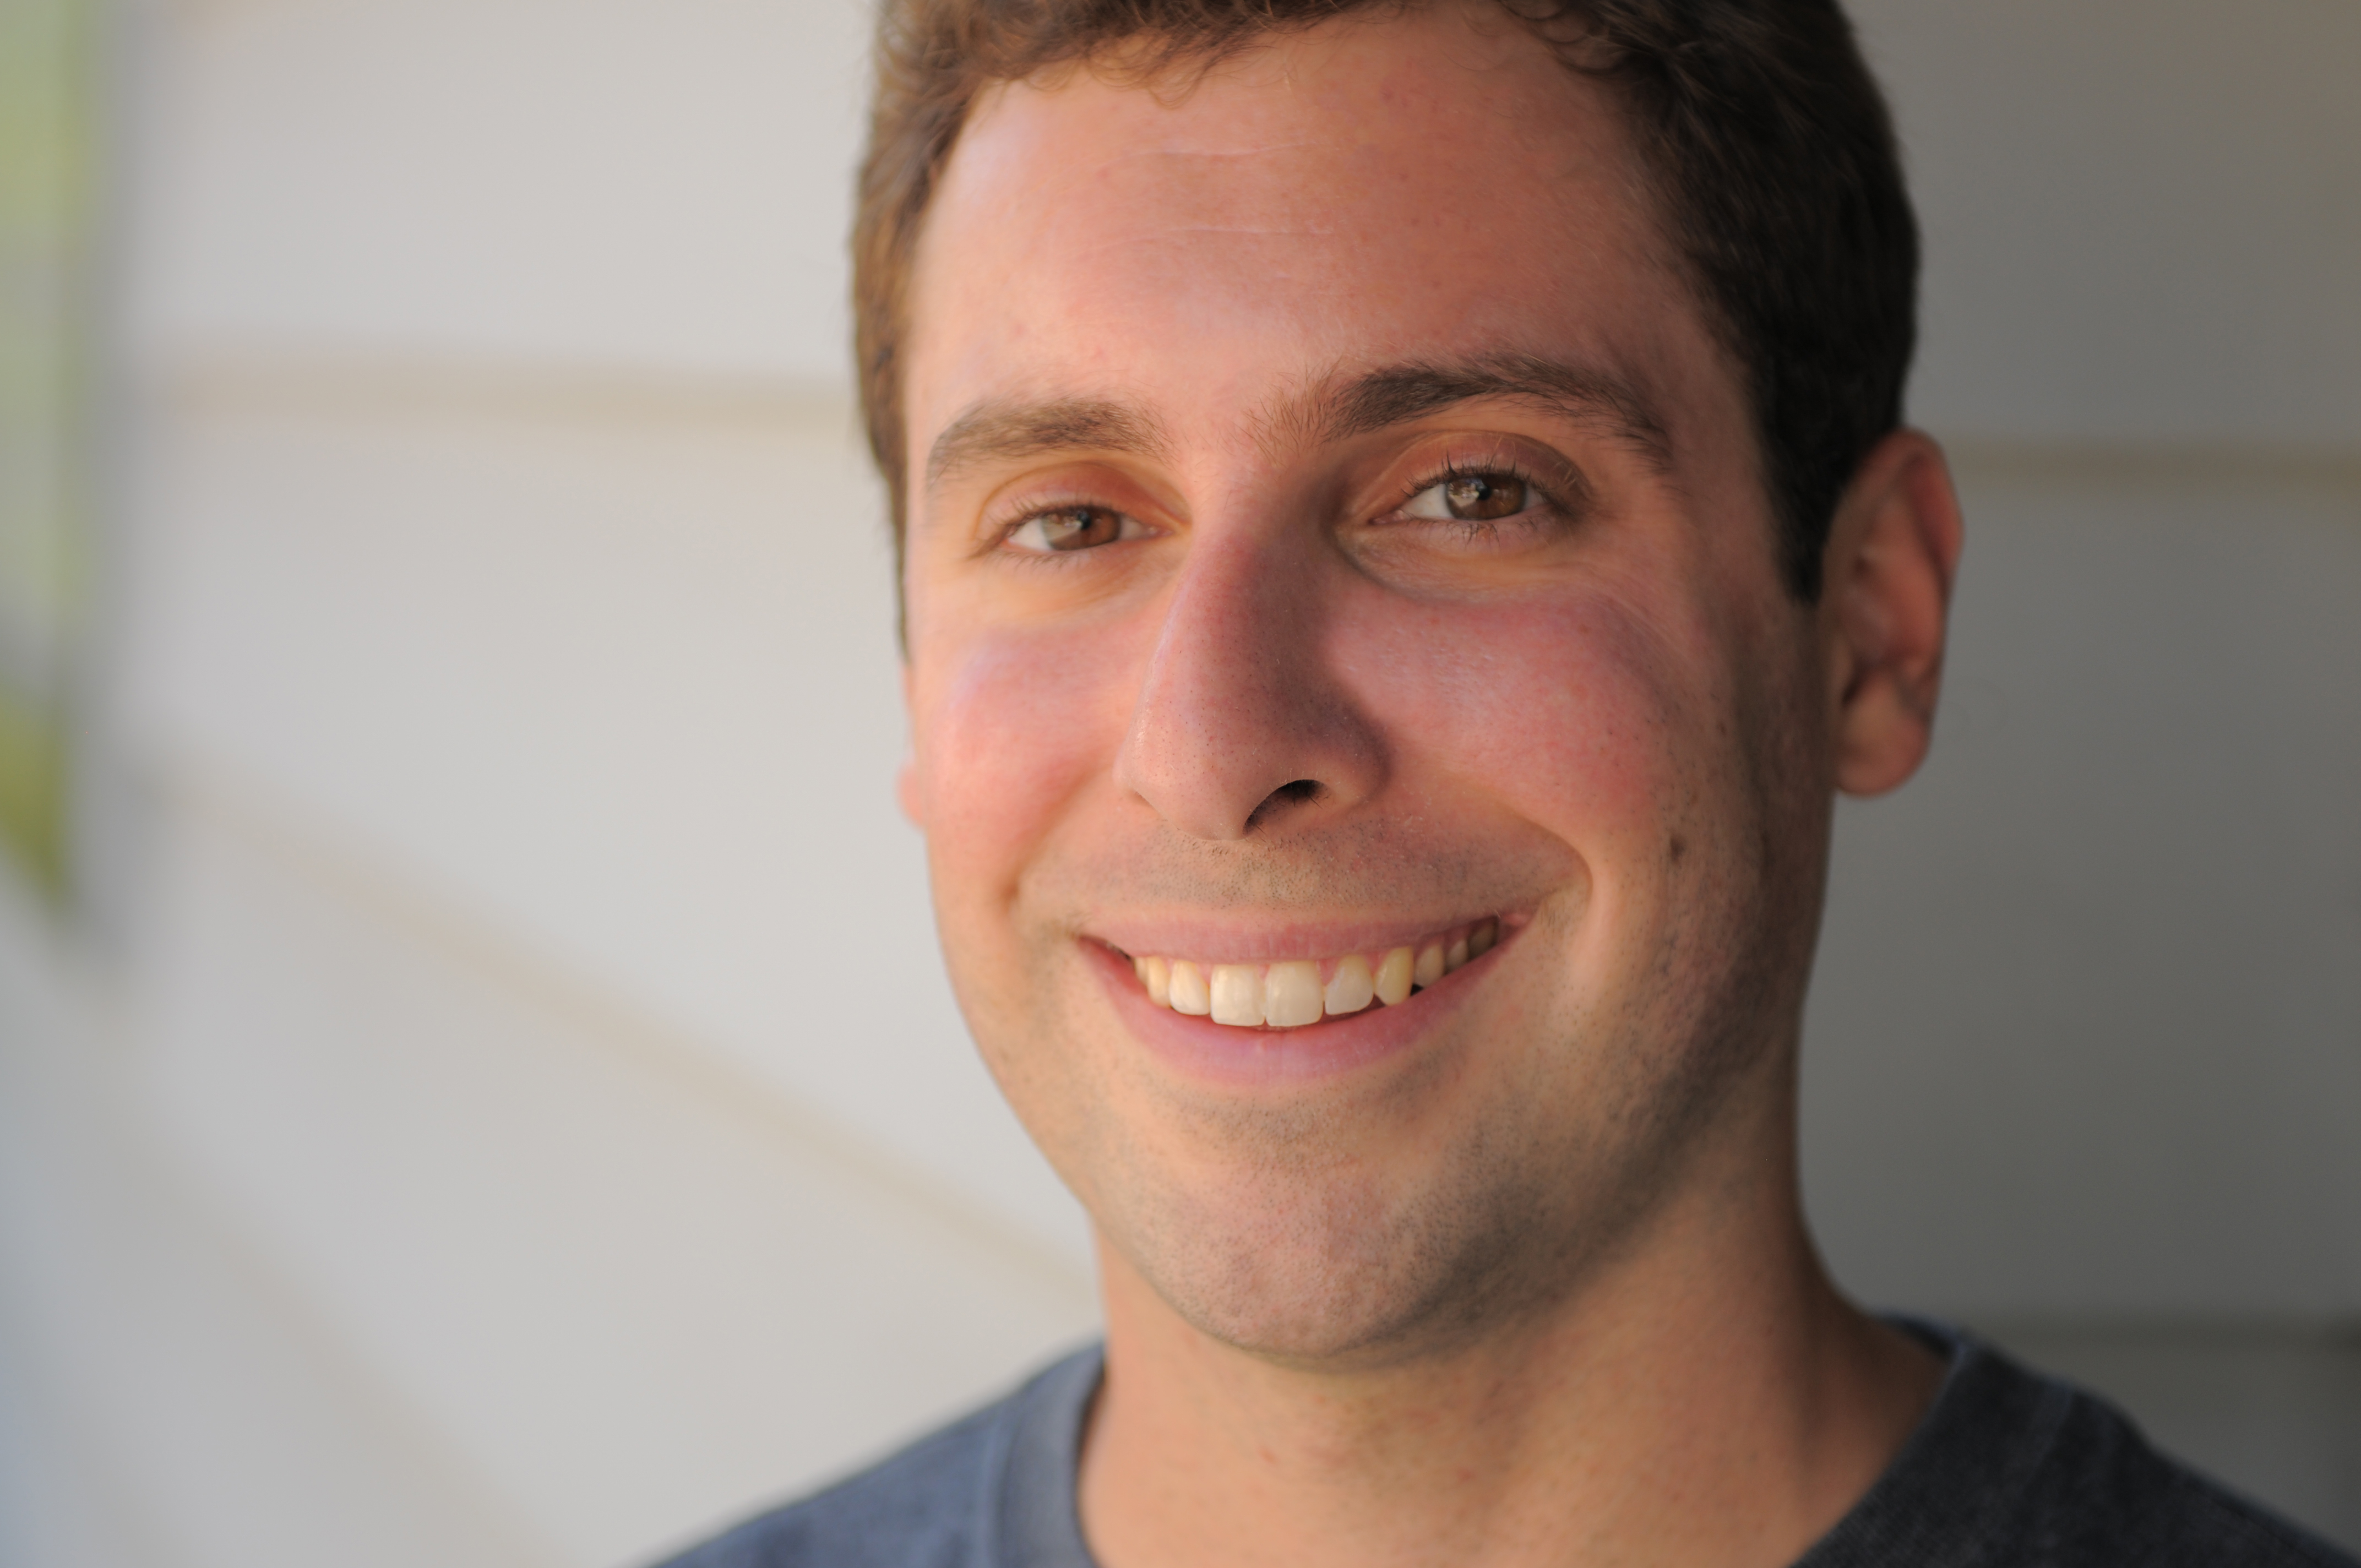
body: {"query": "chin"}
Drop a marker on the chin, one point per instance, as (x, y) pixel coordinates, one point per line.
(1336, 1273)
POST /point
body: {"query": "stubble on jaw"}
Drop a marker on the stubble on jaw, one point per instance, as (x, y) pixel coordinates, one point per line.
(1341, 1228)
(1280, 1227)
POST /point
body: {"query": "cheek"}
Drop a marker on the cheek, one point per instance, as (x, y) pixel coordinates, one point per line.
(1576, 713)
(1007, 727)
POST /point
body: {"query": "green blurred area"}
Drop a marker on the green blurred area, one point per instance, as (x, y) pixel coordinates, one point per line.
(32, 788)
(46, 209)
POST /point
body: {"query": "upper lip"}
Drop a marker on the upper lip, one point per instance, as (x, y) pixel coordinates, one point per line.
(1215, 939)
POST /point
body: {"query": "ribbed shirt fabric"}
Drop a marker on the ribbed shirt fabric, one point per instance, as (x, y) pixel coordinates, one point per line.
(2008, 1469)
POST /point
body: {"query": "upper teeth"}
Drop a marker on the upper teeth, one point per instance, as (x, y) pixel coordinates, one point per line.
(1303, 990)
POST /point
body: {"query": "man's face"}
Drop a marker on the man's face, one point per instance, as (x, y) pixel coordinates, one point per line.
(1334, 528)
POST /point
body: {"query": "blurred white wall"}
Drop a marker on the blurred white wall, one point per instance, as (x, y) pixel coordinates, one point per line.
(519, 1118)
(2086, 1032)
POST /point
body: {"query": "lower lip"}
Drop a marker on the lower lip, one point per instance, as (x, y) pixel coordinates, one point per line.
(1238, 1057)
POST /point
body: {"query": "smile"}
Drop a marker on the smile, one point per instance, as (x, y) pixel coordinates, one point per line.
(1295, 991)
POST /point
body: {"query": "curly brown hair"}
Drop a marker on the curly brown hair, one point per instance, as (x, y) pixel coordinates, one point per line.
(1771, 147)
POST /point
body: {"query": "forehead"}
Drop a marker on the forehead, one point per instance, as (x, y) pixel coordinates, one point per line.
(1372, 191)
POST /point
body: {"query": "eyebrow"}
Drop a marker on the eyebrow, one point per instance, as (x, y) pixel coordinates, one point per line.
(998, 432)
(1336, 408)
(1396, 394)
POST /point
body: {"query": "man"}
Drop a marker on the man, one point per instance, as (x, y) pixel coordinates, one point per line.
(1405, 527)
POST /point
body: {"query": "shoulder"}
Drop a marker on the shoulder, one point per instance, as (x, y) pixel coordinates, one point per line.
(916, 1509)
(935, 1504)
(2012, 1467)
(2107, 1497)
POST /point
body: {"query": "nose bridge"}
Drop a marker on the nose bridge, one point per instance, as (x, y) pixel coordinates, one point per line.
(1237, 712)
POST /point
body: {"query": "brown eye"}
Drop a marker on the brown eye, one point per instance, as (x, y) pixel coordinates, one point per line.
(1071, 528)
(1479, 498)
(1471, 498)
(1080, 528)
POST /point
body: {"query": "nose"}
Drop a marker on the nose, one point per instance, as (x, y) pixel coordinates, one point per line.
(1242, 721)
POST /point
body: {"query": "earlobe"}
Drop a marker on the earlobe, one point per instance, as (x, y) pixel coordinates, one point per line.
(1893, 552)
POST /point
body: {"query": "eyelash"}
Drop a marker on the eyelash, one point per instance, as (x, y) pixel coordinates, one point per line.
(1541, 499)
(998, 538)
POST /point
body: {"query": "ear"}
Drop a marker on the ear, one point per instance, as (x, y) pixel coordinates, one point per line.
(1884, 609)
(906, 778)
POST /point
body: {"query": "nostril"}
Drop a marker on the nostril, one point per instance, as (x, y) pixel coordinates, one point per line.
(1298, 793)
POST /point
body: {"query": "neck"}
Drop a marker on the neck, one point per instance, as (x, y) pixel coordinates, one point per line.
(1708, 1399)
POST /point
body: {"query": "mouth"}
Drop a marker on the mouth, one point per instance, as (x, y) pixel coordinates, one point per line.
(1289, 993)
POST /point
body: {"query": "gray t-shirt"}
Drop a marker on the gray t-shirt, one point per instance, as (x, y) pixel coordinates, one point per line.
(2008, 1469)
